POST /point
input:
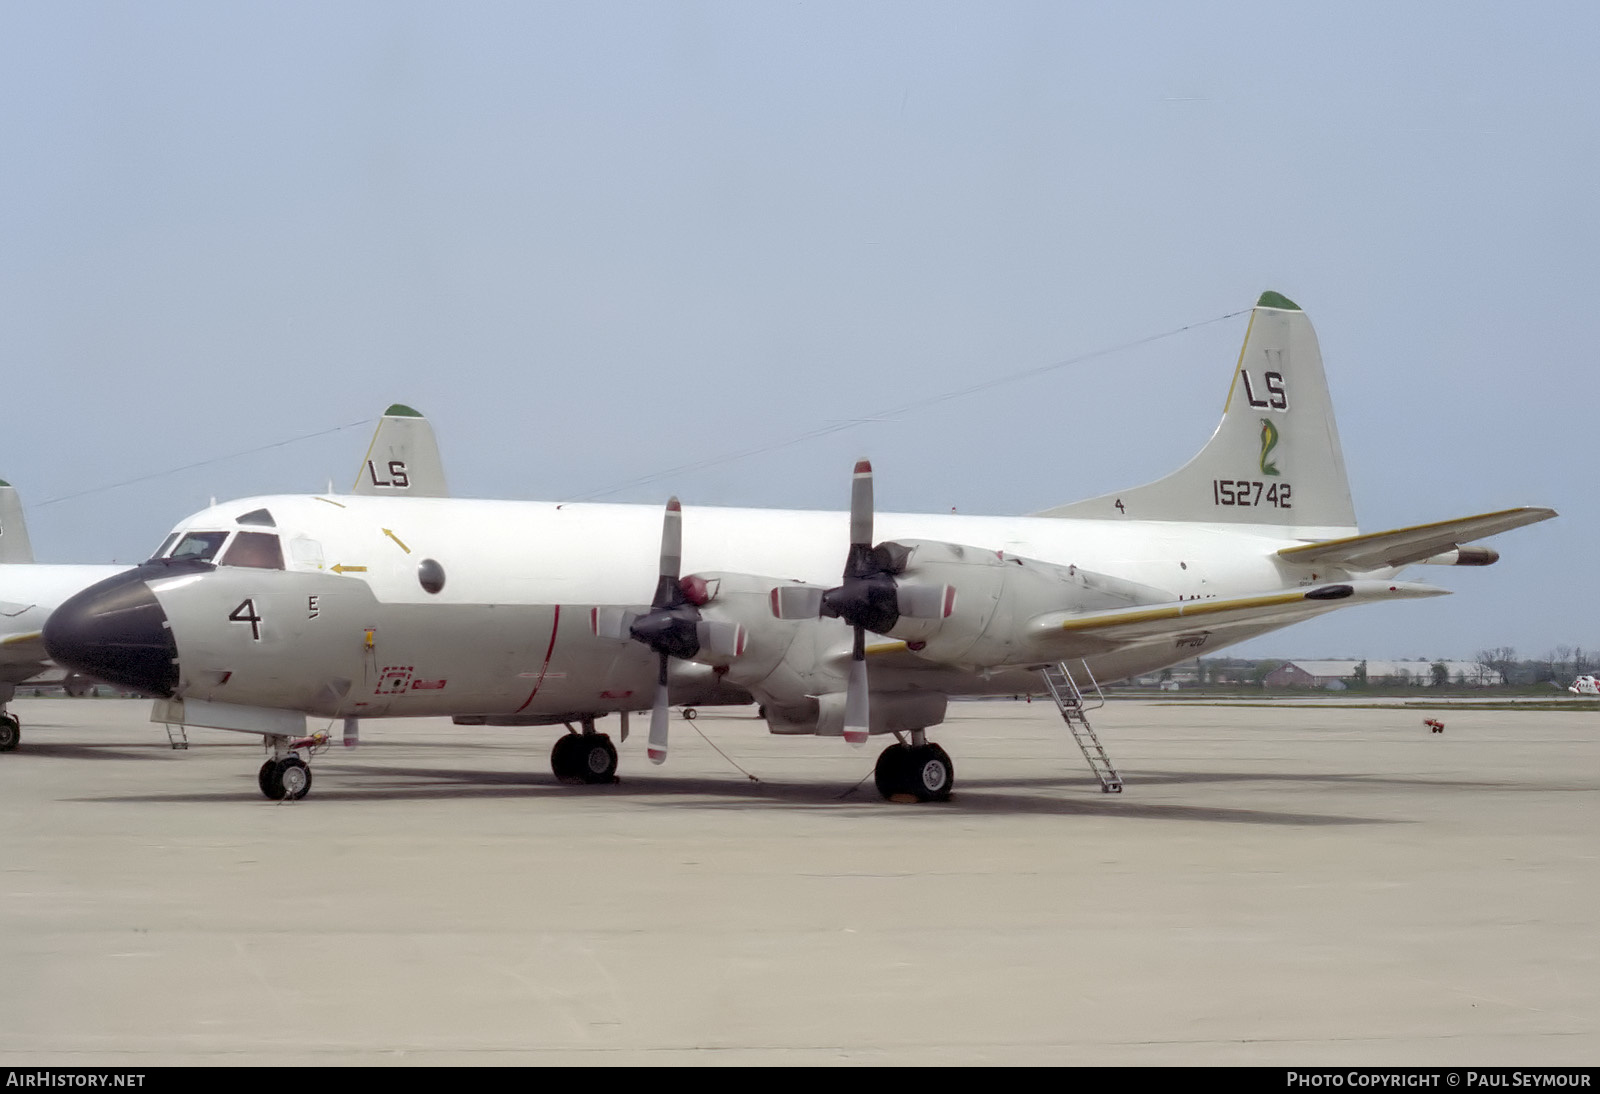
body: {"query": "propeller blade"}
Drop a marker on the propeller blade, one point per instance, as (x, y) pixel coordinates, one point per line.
(796, 601)
(857, 715)
(672, 539)
(720, 638)
(861, 504)
(659, 717)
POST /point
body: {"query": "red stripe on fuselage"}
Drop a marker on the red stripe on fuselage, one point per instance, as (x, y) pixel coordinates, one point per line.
(555, 625)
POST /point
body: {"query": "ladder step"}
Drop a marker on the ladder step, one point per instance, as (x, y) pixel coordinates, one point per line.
(1068, 698)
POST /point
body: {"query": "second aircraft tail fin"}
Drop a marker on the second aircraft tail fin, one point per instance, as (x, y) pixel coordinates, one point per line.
(403, 459)
(14, 544)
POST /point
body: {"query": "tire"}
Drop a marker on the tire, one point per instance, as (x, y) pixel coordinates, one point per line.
(268, 780)
(892, 773)
(10, 732)
(292, 778)
(564, 759)
(690, 714)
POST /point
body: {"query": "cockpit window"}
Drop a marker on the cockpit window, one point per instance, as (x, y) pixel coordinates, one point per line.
(166, 544)
(258, 549)
(258, 517)
(200, 545)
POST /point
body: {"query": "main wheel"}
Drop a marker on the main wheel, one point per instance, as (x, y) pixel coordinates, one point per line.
(921, 773)
(932, 775)
(293, 778)
(10, 732)
(597, 758)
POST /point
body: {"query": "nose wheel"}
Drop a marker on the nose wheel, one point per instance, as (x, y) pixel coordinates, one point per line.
(288, 779)
(10, 732)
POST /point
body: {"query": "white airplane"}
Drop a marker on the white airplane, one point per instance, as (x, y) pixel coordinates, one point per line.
(1585, 685)
(403, 460)
(28, 593)
(261, 612)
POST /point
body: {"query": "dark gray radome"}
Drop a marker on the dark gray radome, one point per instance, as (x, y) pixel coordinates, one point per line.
(116, 631)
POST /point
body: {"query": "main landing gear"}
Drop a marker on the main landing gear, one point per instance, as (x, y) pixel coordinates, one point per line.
(586, 757)
(287, 776)
(915, 771)
(10, 724)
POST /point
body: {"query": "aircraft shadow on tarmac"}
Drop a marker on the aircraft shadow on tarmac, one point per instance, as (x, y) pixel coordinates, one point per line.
(1042, 795)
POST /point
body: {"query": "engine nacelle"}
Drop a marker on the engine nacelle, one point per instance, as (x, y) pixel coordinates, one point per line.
(985, 597)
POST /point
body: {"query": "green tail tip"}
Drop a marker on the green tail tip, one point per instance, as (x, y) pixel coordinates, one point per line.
(400, 410)
(1270, 299)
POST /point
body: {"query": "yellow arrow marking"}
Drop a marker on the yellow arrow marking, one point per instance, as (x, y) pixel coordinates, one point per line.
(396, 538)
(341, 568)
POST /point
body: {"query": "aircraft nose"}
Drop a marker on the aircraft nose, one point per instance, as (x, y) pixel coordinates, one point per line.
(116, 631)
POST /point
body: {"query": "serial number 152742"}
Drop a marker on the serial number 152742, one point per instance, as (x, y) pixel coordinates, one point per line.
(1250, 492)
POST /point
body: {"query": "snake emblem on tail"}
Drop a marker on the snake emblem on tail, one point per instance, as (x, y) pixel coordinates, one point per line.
(1269, 441)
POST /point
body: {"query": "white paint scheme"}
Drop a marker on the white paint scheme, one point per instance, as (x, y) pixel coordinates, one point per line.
(1585, 685)
(525, 627)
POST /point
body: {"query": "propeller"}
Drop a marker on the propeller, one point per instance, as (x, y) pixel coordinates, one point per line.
(871, 599)
(867, 599)
(673, 626)
(669, 627)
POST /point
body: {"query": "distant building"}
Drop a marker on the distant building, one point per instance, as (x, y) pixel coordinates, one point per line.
(1339, 674)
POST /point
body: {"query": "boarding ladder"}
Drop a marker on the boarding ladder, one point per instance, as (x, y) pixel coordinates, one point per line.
(177, 736)
(1070, 702)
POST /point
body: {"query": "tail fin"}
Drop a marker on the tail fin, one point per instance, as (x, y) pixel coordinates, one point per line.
(403, 459)
(14, 545)
(1275, 459)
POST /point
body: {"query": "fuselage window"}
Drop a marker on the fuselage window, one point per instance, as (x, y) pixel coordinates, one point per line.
(260, 550)
(201, 545)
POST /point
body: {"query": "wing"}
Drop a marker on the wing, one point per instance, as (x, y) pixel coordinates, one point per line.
(22, 656)
(1403, 546)
(1065, 635)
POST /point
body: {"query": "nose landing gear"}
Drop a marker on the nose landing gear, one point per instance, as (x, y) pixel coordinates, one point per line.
(287, 776)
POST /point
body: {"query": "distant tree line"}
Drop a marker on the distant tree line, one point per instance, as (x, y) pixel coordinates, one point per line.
(1559, 666)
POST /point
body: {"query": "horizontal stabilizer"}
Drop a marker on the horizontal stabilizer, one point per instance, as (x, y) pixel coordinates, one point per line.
(1403, 546)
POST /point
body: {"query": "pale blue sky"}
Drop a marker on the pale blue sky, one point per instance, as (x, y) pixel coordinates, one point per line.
(593, 241)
